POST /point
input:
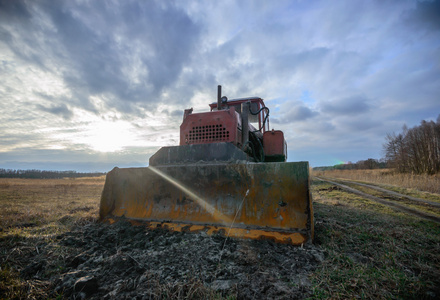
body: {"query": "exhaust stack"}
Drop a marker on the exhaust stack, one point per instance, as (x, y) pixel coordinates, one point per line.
(219, 97)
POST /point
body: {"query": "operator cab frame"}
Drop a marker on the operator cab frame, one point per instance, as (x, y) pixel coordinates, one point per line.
(256, 106)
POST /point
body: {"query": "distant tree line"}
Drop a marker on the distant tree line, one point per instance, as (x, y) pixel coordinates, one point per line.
(415, 150)
(370, 163)
(39, 174)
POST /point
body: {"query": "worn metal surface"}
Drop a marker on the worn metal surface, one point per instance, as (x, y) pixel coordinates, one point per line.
(188, 154)
(275, 147)
(211, 127)
(278, 204)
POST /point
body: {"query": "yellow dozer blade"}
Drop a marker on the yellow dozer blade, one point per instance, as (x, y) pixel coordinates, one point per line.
(247, 200)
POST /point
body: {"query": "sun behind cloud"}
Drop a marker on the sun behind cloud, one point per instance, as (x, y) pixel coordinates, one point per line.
(107, 136)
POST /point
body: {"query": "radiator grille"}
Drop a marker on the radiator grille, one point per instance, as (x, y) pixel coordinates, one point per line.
(206, 134)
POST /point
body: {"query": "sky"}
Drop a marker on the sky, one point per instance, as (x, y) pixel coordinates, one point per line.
(90, 85)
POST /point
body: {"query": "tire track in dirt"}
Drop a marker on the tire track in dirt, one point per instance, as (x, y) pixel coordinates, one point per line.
(391, 204)
(424, 201)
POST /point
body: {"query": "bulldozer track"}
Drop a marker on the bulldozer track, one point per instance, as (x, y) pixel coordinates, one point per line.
(394, 205)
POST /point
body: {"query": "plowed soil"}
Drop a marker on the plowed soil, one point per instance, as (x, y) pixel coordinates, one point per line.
(121, 261)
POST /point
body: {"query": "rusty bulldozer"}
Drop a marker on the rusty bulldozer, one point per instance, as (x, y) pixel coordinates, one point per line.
(229, 175)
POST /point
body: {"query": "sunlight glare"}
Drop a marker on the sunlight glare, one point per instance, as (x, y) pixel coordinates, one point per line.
(108, 136)
(208, 207)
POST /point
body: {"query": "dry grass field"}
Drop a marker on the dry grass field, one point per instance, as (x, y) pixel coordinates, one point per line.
(368, 250)
(33, 212)
(427, 183)
(37, 202)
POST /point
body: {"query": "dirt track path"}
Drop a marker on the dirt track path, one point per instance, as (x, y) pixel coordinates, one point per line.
(394, 205)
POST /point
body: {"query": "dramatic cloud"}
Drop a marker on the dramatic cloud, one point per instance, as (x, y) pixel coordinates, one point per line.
(347, 106)
(295, 113)
(83, 80)
(61, 110)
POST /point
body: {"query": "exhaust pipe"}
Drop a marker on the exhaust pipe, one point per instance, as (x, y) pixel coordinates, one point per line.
(219, 97)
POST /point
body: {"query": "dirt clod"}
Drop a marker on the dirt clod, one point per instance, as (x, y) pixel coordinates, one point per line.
(87, 285)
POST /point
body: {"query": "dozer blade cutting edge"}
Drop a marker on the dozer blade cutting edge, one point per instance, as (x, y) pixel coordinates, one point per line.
(246, 200)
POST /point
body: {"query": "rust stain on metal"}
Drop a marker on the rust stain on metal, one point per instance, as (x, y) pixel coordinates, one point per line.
(141, 194)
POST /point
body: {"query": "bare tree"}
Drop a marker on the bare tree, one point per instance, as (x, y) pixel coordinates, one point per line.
(415, 150)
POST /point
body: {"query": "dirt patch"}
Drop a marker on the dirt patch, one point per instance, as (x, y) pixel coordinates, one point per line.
(87, 208)
(105, 261)
(329, 189)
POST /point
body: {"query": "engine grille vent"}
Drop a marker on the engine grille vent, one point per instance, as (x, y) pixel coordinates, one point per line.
(207, 134)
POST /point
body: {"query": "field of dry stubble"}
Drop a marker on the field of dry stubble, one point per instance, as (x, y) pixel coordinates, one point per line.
(52, 247)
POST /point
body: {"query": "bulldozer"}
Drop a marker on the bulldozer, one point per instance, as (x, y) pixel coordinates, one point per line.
(228, 176)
